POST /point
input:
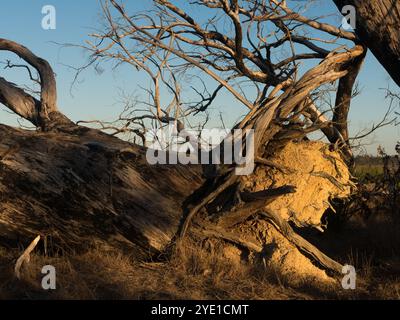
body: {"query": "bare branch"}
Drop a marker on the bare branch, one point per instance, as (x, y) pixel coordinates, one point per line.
(43, 113)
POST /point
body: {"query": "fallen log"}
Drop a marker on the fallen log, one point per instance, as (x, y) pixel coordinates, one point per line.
(85, 186)
(78, 186)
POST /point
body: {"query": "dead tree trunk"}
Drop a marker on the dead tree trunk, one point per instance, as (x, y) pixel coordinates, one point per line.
(270, 136)
(83, 187)
(378, 25)
(77, 185)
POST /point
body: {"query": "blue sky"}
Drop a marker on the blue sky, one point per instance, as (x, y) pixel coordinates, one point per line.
(98, 96)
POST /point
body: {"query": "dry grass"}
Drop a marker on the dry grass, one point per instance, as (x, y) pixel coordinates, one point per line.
(102, 274)
(194, 273)
(364, 170)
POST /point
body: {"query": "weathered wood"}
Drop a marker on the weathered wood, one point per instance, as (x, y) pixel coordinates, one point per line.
(258, 201)
(43, 113)
(78, 185)
(271, 164)
(303, 245)
(229, 181)
(82, 187)
(343, 98)
(261, 119)
(47, 78)
(25, 257)
(377, 26)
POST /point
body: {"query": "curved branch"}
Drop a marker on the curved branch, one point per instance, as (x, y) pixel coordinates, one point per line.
(48, 82)
(43, 113)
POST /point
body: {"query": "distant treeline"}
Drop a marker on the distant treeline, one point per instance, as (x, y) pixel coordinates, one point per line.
(374, 165)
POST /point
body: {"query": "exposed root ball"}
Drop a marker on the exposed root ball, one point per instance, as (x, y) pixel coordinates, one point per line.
(318, 175)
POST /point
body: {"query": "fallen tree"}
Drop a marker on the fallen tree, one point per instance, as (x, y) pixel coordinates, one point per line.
(76, 185)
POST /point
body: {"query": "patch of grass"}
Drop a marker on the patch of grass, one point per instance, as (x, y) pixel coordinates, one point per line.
(105, 274)
(361, 171)
(194, 272)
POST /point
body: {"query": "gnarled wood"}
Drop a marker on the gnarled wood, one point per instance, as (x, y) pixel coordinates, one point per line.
(258, 201)
(43, 113)
(89, 186)
(85, 186)
(18, 101)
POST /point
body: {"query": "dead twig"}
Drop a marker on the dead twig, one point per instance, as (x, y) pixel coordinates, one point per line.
(25, 257)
